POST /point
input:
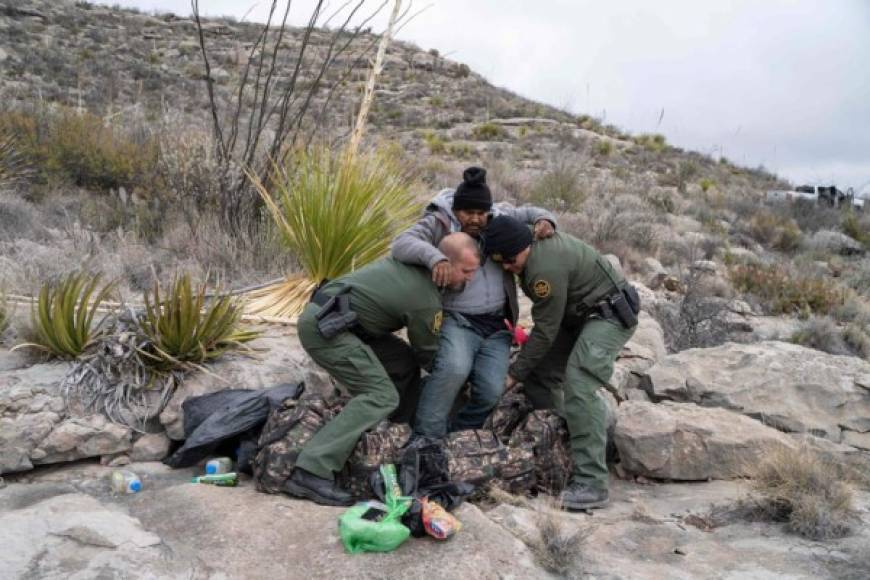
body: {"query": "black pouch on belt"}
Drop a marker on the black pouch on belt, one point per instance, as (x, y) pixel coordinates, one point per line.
(335, 315)
(625, 306)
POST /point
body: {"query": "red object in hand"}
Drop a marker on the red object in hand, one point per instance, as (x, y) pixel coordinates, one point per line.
(521, 337)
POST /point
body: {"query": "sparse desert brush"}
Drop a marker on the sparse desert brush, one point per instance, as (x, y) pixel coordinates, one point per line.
(489, 132)
(559, 188)
(435, 142)
(803, 489)
(654, 142)
(857, 228)
(603, 148)
(777, 231)
(706, 184)
(821, 333)
(784, 292)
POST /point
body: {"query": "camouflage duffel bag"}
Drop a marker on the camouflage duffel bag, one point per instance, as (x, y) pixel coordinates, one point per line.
(511, 410)
(478, 457)
(287, 430)
(546, 434)
(379, 446)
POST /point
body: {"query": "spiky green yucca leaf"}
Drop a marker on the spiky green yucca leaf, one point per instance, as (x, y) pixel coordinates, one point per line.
(64, 313)
(337, 212)
(182, 328)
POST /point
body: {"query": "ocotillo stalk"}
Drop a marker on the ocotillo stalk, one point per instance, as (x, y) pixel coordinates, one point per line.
(369, 94)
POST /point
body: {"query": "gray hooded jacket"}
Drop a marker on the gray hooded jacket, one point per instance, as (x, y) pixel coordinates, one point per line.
(491, 286)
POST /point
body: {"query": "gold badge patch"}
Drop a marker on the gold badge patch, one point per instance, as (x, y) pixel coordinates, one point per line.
(436, 323)
(541, 288)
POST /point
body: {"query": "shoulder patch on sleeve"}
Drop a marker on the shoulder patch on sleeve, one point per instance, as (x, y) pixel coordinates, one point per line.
(436, 322)
(541, 288)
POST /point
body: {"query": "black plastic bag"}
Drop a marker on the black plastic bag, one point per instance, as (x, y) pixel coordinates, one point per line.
(424, 472)
(216, 419)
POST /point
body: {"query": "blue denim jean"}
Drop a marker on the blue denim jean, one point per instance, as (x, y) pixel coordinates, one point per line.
(463, 355)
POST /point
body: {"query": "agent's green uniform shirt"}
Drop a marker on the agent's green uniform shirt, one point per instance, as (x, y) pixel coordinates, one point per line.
(388, 296)
(563, 277)
(382, 372)
(571, 350)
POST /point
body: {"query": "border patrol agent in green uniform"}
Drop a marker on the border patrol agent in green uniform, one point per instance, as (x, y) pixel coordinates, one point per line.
(584, 313)
(347, 329)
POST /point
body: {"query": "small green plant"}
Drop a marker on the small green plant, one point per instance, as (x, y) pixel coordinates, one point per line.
(489, 132)
(654, 142)
(436, 144)
(559, 188)
(183, 327)
(706, 184)
(603, 148)
(855, 229)
(63, 315)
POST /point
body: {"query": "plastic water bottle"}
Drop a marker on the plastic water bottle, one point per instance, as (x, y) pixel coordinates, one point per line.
(218, 466)
(124, 481)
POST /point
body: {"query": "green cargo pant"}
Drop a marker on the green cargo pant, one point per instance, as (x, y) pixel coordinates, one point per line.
(567, 380)
(382, 377)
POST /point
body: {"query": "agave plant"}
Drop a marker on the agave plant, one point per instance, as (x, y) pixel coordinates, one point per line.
(336, 212)
(184, 328)
(63, 315)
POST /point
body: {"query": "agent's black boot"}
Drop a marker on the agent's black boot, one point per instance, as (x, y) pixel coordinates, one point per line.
(582, 496)
(319, 490)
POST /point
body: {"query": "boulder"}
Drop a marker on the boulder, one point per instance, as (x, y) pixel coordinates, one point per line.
(80, 437)
(683, 441)
(151, 447)
(789, 387)
(645, 349)
(278, 360)
(835, 242)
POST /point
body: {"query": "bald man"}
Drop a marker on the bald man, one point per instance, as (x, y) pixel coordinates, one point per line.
(380, 370)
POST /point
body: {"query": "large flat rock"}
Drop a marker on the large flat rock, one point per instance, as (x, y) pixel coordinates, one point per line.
(683, 441)
(790, 387)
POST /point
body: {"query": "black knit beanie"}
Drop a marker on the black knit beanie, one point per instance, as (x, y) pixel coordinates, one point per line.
(473, 193)
(505, 237)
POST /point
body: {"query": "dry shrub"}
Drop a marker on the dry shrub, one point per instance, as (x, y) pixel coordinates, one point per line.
(785, 292)
(821, 333)
(608, 221)
(804, 490)
(559, 188)
(558, 548)
(780, 232)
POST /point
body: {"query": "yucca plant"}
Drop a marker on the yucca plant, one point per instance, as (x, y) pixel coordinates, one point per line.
(336, 212)
(63, 315)
(183, 327)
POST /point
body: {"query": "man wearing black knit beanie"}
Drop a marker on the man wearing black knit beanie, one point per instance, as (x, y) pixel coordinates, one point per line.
(475, 341)
(584, 313)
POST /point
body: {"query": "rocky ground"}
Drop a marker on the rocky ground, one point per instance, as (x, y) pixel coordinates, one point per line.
(63, 522)
(690, 426)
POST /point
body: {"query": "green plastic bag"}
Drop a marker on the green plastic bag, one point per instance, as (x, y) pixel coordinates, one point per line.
(373, 526)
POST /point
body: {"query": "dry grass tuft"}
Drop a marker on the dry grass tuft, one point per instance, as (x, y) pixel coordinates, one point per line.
(558, 547)
(803, 489)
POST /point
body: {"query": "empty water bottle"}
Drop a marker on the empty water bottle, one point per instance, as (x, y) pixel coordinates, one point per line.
(124, 481)
(219, 465)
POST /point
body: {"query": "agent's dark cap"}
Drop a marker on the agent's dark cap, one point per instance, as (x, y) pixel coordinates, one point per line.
(473, 192)
(505, 237)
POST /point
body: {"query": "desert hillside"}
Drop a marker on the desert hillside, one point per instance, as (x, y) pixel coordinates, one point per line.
(738, 415)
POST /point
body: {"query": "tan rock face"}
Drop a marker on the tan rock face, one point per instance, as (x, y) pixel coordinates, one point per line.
(151, 447)
(792, 388)
(683, 441)
(80, 437)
